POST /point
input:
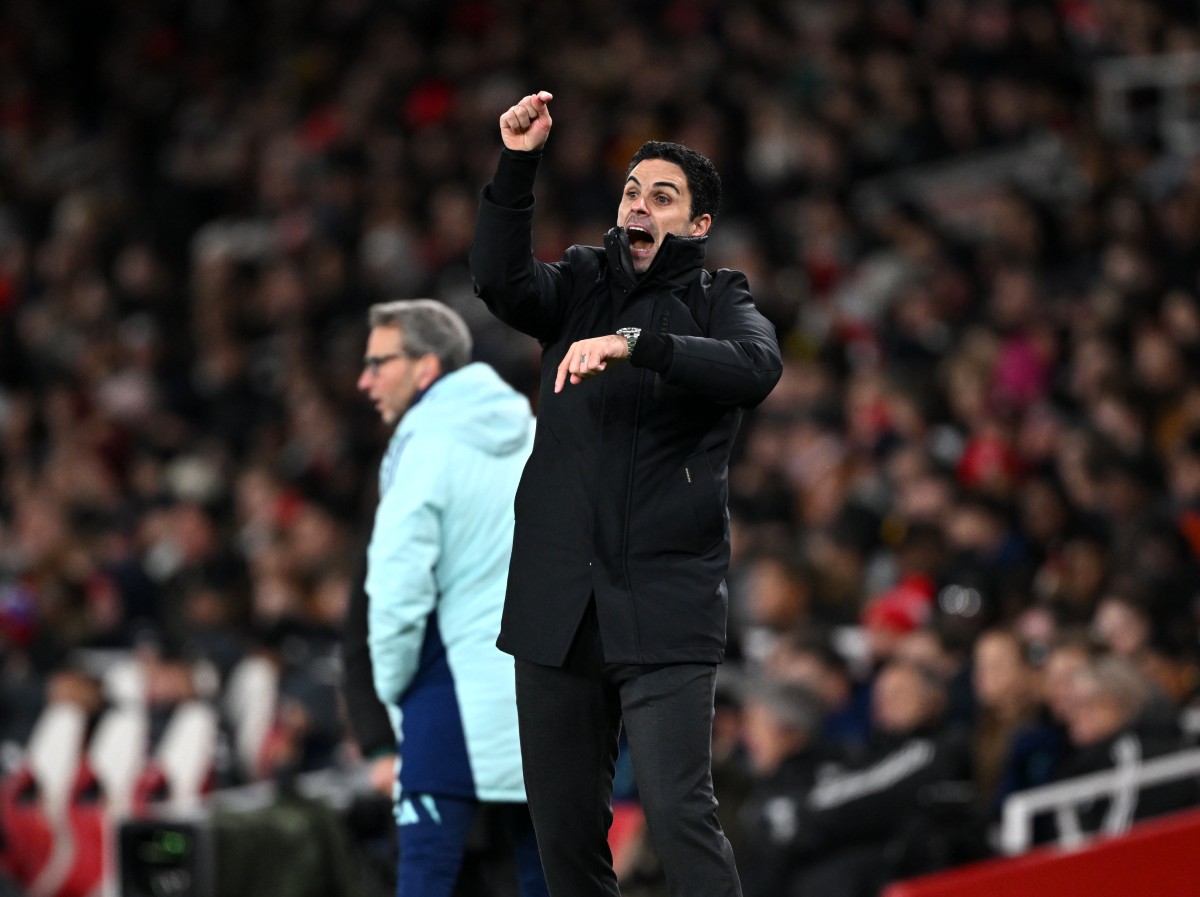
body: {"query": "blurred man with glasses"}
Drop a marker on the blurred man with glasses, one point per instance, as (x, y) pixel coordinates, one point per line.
(436, 570)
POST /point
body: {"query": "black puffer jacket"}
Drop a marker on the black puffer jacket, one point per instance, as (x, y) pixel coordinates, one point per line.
(625, 493)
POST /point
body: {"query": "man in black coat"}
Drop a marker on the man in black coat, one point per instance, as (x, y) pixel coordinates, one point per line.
(616, 604)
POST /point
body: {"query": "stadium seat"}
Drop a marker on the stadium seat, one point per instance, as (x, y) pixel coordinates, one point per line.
(250, 698)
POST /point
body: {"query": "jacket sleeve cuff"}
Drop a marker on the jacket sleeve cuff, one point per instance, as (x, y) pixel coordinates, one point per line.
(654, 351)
(512, 185)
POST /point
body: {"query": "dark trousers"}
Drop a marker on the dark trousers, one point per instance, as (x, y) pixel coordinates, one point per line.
(570, 718)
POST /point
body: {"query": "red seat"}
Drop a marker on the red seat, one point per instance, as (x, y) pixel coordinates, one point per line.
(28, 836)
(31, 838)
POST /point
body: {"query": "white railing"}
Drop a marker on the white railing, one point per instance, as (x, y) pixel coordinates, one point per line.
(1121, 784)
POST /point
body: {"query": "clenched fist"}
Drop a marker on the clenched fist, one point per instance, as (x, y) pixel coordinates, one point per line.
(526, 126)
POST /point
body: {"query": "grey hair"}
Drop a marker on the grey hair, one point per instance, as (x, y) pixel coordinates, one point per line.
(427, 327)
(1119, 680)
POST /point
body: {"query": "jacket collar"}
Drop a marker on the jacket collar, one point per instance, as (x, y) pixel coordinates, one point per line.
(677, 259)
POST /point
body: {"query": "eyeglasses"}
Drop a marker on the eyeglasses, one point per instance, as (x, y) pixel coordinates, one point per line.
(372, 363)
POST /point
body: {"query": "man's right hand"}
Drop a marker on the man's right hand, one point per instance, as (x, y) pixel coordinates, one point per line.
(526, 126)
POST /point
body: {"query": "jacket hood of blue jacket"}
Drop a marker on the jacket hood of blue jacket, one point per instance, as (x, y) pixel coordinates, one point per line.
(474, 406)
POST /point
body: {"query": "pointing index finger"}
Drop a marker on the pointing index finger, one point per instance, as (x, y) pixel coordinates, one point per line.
(562, 372)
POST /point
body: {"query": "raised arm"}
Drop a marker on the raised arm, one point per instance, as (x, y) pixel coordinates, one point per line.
(518, 289)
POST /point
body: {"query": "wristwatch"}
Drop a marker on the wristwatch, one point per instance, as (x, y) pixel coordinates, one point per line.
(631, 335)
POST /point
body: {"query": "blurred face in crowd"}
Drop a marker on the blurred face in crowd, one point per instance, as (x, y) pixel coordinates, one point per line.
(807, 668)
(769, 741)
(1002, 680)
(1043, 510)
(1121, 626)
(391, 378)
(777, 597)
(1174, 676)
(905, 699)
(1062, 665)
(657, 202)
(923, 648)
(1084, 569)
(1092, 715)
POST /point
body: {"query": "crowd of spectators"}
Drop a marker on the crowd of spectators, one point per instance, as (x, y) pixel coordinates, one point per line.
(983, 459)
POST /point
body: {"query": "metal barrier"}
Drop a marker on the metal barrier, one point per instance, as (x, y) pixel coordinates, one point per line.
(1120, 783)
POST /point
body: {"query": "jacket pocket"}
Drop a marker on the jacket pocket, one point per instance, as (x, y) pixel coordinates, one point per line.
(708, 510)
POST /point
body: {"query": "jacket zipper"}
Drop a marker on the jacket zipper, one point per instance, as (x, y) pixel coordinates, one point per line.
(637, 415)
(664, 322)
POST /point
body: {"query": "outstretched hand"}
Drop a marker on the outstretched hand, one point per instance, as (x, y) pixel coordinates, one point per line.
(589, 358)
(526, 126)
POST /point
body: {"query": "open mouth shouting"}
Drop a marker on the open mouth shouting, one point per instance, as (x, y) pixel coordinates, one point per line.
(641, 242)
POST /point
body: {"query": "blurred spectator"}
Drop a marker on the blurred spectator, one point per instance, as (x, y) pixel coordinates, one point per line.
(1122, 625)
(774, 595)
(939, 649)
(1007, 700)
(806, 658)
(889, 815)
(782, 725)
(1039, 748)
(84, 691)
(1111, 724)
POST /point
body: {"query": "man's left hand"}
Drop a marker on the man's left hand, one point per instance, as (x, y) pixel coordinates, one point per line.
(589, 358)
(382, 774)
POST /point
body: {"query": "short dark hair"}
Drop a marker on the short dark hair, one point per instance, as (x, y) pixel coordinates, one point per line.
(704, 183)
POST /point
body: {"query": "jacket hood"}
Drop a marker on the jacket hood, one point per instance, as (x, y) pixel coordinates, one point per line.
(475, 406)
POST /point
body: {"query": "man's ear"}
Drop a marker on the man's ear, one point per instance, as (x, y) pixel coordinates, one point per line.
(430, 369)
(701, 224)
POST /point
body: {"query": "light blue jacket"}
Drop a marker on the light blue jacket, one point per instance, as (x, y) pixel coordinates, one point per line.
(436, 573)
